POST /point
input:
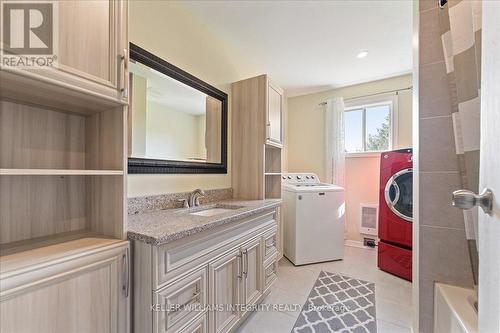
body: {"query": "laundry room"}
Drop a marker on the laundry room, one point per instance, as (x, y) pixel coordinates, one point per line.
(387, 104)
(372, 162)
(249, 166)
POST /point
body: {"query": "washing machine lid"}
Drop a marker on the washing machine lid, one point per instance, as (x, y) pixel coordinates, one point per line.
(306, 188)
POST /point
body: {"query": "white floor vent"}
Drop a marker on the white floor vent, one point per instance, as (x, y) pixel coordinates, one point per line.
(369, 219)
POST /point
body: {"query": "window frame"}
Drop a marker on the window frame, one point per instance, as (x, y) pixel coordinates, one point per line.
(367, 102)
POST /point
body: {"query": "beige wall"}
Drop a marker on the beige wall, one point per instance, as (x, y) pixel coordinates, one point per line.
(139, 86)
(171, 133)
(201, 123)
(168, 30)
(362, 187)
(305, 151)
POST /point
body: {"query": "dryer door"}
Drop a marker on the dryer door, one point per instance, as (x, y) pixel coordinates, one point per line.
(399, 194)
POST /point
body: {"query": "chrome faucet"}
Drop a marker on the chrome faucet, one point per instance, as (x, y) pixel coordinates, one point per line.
(194, 197)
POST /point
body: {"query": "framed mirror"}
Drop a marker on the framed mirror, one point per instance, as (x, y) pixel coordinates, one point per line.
(177, 122)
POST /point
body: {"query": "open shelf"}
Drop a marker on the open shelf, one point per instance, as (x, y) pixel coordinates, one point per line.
(33, 206)
(272, 172)
(43, 250)
(272, 160)
(273, 187)
(58, 172)
(33, 138)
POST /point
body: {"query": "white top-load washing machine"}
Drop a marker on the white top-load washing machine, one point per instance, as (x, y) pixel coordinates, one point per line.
(313, 215)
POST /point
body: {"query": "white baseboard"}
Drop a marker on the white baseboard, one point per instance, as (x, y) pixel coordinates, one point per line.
(358, 244)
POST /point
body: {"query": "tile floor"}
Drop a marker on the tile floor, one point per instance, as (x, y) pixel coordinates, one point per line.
(392, 295)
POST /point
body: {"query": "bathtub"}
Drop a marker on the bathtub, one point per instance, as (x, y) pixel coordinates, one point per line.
(454, 310)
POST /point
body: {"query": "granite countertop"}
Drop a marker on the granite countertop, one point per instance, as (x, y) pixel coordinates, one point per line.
(164, 226)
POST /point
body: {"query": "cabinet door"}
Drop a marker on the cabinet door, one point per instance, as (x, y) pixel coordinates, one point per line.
(225, 283)
(91, 53)
(252, 264)
(88, 299)
(274, 108)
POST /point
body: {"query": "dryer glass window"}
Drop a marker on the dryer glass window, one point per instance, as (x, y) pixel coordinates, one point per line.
(399, 194)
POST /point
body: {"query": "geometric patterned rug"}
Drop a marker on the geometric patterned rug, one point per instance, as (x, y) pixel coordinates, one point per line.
(338, 303)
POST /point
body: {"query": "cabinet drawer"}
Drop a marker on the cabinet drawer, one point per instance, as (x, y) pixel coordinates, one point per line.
(199, 325)
(270, 272)
(180, 302)
(270, 243)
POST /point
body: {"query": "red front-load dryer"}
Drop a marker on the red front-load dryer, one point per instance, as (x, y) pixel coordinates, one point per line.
(396, 213)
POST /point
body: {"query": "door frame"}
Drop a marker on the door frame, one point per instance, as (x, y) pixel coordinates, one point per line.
(416, 166)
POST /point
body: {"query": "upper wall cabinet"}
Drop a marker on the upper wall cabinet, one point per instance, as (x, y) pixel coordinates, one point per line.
(93, 46)
(89, 47)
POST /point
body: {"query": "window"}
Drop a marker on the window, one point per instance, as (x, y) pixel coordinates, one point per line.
(368, 127)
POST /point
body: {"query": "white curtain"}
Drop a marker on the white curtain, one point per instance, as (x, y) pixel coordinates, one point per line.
(334, 141)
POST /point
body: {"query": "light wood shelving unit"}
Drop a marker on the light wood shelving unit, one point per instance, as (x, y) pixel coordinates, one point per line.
(62, 210)
(61, 172)
(63, 251)
(256, 154)
(257, 141)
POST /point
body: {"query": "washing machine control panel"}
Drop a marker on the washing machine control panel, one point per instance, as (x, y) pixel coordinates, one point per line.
(300, 178)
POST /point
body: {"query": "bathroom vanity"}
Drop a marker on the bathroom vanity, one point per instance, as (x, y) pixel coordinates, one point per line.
(202, 269)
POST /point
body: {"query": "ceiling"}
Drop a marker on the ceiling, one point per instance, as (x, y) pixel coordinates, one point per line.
(174, 95)
(311, 46)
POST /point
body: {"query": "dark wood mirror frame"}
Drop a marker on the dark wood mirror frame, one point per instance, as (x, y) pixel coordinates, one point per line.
(146, 165)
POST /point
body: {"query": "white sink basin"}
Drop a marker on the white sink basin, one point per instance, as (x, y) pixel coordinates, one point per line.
(213, 211)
